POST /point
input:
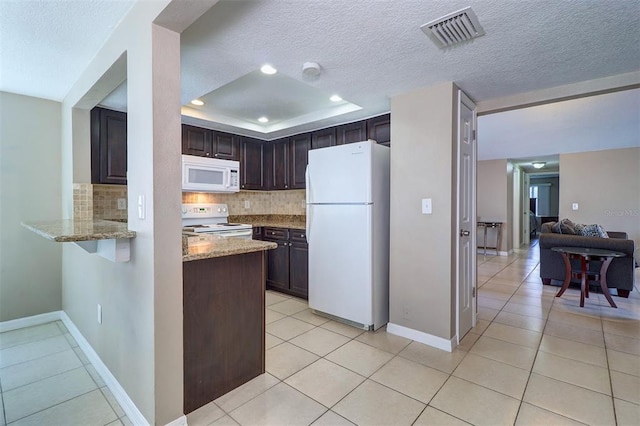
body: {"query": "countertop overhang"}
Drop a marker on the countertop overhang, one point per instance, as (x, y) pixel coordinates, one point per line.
(103, 237)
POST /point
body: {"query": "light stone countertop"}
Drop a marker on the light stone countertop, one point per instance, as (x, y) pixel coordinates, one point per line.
(69, 230)
(198, 247)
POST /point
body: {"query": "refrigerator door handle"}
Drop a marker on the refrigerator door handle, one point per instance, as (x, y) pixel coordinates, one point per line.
(308, 224)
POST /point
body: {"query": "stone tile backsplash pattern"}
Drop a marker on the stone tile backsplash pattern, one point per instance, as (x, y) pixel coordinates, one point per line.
(98, 201)
(101, 201)
(291, 202)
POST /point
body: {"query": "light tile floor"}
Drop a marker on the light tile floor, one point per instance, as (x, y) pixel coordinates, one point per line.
(532, 359)
(46, 379)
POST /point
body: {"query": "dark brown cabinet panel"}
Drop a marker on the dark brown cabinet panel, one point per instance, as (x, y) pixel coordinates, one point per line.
(226, 146)
(257, 233)
(288, 265)
(323, 138)
(277, 259)
(352, 132)
(196, 141)
(379, 129)
(252, 164)
(299, 146)
(223, 325)
(298, 263)
(277, 164)
(108, 146)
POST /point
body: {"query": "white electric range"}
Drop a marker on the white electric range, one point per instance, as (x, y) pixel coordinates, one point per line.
(212, 219)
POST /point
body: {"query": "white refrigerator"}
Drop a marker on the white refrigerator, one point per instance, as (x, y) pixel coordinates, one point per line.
(348, 232)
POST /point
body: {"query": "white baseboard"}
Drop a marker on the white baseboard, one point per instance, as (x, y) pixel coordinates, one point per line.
(180, 421)
(29, 321)
(422, 337)
(112, 383)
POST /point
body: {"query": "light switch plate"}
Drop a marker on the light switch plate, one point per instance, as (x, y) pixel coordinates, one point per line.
(247, 204)
(426, 206)
(141, 207)
(122, 203)
(574, 206)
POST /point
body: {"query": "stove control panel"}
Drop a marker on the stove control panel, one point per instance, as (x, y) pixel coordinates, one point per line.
(190, 211)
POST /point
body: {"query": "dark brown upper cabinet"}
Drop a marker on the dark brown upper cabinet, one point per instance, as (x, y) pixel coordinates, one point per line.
(299, 146)
(196, 141)
(277, 164)
(379, 129)
(323, 138)
(108, 147)
(252, 164)
(352, 132)
(209, 143)
(226, 146)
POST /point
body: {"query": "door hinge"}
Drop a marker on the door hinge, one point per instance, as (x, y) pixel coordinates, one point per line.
(473, 292)
(473, 134)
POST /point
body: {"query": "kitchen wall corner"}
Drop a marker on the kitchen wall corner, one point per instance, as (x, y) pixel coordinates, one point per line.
(98, 201)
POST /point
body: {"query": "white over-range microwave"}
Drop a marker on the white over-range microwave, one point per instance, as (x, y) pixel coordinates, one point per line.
(203, 174)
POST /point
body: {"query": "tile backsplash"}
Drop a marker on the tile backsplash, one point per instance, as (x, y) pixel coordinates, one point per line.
(98, 201)
(101, 201)
(291, 202)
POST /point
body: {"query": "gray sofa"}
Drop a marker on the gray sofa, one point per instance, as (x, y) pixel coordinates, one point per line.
(620, 274)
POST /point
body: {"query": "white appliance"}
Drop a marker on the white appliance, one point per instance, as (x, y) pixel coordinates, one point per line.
(200, 219)
(203, 174)
(348, 232)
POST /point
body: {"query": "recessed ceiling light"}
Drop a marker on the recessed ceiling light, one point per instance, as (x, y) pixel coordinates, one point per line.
(268, 69)
(335, 98)
(263, 119)
(197, 102)
(538, 164)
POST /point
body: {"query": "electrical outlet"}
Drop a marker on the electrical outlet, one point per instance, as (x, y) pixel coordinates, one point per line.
(405, 312)
(122, 203)
(247, 204)
(426, 206)
(575, 206)
(99, 313)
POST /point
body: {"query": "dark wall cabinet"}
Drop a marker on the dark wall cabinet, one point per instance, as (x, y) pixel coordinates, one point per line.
(108, 147)
(277, 164)
(288, 265)
(352, 132)
(299, 147)
(210, 143)
(323, 138)
(379, 129)
(252, 164)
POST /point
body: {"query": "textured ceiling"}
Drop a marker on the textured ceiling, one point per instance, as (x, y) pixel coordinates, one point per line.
(368, 50)
(45, 45)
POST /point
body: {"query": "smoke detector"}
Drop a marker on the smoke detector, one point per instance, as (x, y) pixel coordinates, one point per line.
(454, 28)
(311, 68)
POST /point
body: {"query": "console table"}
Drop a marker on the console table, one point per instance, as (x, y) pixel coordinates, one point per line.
(586, 255)
(492, 225)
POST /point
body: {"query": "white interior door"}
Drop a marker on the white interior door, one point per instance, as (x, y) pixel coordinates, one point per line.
(526, 228)
(466, 212)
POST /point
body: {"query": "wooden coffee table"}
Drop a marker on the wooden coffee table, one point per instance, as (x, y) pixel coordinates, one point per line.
(586, 255)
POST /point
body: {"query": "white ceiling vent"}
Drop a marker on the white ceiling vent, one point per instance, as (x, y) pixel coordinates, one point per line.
(454, 28)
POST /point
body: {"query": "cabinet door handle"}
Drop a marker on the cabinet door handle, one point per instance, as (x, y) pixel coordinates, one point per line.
(286, 186)
(207, 154)
(215, 155)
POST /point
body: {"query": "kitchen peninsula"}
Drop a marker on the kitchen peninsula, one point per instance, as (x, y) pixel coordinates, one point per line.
(224, 315)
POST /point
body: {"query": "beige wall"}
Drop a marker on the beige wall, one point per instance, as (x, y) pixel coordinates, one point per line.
(493, 203)
(606, 185)
(30, 268)
(421, 281)
(140, 338)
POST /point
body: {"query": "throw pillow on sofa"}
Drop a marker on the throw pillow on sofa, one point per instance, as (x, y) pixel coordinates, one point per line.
(591, 231)
(565, 226)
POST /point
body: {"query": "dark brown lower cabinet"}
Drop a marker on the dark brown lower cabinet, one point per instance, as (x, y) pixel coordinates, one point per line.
(223, 325)
(288, 265)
